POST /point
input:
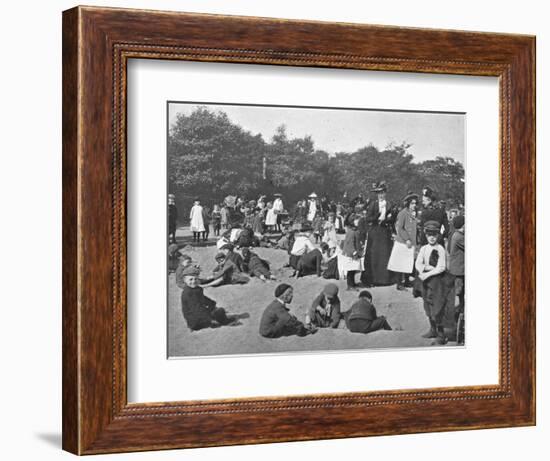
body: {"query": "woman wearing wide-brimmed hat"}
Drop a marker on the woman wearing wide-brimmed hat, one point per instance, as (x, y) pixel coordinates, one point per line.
(312, 207)
(380, 221)
(402, 255)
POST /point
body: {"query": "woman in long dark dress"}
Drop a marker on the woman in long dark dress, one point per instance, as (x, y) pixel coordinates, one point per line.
(380, 222)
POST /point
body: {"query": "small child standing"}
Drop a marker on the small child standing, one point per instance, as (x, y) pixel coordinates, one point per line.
(206, 220)
(318, 224)
(197, 221)
(430, 264)
(224, 213)
(216, 220)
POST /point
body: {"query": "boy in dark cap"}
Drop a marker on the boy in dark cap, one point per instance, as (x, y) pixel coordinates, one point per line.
(277, 321)
(430, 264)
(325, 309)
(362, 317)
(184, 261)
(198, 310)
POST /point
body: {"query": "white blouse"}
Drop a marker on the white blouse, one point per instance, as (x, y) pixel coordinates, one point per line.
(423, 260)
(381, 210)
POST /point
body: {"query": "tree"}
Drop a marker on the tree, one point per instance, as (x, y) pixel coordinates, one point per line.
(293, 164)
(211, 157)
(446, 176)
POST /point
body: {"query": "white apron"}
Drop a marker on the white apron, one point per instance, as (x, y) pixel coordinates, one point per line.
(312, 211)
(271, 217)
(401, 258)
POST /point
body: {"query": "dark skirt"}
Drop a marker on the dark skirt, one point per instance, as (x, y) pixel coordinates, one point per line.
(377, 255)
(331, 271)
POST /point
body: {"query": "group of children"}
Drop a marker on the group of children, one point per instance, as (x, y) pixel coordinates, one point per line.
(200, 311)
(438, 270)
(325, 312)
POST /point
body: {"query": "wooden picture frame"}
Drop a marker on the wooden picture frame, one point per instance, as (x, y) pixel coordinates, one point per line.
(97, 42)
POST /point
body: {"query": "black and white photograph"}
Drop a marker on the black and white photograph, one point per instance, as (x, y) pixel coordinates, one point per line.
(297, 229)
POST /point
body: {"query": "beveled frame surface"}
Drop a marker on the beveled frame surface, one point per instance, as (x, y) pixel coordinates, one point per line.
(97, 43)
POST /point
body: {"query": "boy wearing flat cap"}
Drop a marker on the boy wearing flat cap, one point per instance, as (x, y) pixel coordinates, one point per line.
(430, 264)
(198, 310)
(324, 312)
(184, 261)
(277, 321)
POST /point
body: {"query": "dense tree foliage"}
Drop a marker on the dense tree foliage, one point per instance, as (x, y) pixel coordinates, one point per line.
(211, 157)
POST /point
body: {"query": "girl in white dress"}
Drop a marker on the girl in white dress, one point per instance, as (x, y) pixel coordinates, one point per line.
(271, 216)
(329, 231)
(197, 221)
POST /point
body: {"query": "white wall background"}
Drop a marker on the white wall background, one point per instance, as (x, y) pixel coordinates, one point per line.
(30, 231)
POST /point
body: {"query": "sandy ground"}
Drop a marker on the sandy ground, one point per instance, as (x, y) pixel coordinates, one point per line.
(404, 313)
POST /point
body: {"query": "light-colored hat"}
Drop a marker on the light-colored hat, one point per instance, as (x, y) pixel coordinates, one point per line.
(313, 195)
(191, 270)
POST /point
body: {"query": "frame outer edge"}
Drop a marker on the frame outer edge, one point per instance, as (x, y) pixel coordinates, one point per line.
(90, 423)
(70, 176)
(523, 233)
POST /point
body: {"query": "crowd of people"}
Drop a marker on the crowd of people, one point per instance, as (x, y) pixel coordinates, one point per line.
(416, 244)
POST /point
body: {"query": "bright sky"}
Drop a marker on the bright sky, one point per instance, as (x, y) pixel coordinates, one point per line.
(337, 130)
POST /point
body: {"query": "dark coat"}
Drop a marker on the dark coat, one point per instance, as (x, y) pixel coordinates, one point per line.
(172, 218)
(352, 243)
(236, 259)
(456, 254)
(309, 263)
(362, 318)
(362, 309)
(333, 319)
(205, 218)
(197, 308)
(277, 321)
(405, 227)
(433, 213)
(373, 212)
(230, 273)
(362, 228)
(246, 239)
(379, 246)
(257, 266)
